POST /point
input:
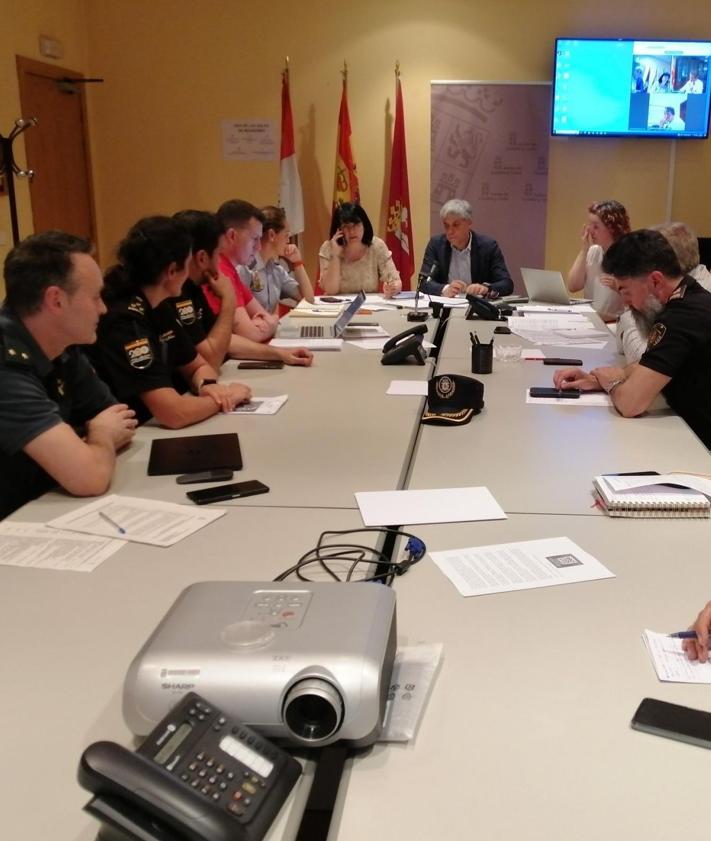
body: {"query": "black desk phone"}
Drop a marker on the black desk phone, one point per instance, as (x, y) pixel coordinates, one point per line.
(199, 776)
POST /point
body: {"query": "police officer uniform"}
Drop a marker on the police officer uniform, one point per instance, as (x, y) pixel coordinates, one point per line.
(36, 394)
(140, 349)
(679, 346)
(193, 311)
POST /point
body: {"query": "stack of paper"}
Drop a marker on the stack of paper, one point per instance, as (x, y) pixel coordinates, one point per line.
(564, 330)
(671, 663)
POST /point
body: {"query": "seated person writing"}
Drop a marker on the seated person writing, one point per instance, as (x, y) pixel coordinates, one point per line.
(677, 361)
(58, 422)
(266, 278)
(468, 263)
(242, 224)
(142, 349)
(353, 258)
(212, 334)
(698, 649)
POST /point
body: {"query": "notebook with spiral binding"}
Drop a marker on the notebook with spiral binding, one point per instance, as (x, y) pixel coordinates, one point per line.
(652, 500)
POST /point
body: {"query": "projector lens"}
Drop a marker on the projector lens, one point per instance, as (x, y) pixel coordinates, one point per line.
(313, 710)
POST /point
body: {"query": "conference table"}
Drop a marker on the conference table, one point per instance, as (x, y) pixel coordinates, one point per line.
(526, 732)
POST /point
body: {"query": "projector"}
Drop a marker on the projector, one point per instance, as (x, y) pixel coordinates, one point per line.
(306, 665)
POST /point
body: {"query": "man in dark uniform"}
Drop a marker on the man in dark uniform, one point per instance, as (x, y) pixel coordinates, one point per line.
(58, 422)
(677, 361)
(462, 261)
(212, 334)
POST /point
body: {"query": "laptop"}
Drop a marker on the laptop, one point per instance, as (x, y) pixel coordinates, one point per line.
(194, 453)
(318, 331)
(546, 287)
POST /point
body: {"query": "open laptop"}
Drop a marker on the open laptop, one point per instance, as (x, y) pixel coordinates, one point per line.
(546, 287)
(318, 331)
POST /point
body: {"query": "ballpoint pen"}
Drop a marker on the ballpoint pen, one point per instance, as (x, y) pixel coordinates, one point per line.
(684, 635)
(104, 516)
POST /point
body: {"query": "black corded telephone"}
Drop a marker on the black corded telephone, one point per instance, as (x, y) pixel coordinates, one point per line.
(199, 776)
(400, 348)
(482, 308)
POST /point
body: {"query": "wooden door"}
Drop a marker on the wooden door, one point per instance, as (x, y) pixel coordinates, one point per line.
(57, 149)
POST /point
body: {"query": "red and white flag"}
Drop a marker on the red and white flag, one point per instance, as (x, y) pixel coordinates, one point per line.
(345, 185)
(290, 195)
(398, 235)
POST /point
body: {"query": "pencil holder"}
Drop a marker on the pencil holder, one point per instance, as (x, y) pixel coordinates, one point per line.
(482, 358)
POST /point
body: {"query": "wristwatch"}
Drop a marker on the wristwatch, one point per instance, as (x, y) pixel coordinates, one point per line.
(613, 385)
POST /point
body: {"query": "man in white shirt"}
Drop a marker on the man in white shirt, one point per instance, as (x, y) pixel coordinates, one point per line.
(693, 84)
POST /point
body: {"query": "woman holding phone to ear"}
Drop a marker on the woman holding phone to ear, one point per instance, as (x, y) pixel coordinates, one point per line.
(353, 258)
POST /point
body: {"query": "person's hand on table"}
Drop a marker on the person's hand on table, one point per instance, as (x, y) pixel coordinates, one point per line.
(575, 378)
(477, 289)
(454, 288)
(227, 395)
(698, 649)
(392, 287)
(118, 423)
(296, 356)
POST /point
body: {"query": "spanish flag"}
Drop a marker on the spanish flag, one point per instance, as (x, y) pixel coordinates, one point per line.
(345, 187)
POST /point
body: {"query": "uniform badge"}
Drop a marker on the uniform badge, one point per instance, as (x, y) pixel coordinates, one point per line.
(656, 334)
(255, 283)
(445, 387)
(139, 353)
(186, 311)
(136, 305)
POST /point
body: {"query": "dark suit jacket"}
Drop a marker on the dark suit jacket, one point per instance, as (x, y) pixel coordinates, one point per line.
(487, 263)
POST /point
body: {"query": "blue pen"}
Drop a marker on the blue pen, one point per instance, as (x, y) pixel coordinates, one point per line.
(120, 529)
(684, 635)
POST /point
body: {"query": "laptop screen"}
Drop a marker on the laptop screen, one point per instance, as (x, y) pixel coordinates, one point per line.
(346, 316)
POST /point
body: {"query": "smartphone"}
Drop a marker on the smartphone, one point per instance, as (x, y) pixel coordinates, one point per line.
(569, 393)
(259, 364)
(223, 474)
(329, 299)
(674, 722)
(560, 360)
(340, 240)
(223, 492)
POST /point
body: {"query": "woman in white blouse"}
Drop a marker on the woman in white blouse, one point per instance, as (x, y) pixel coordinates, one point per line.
(354, 259)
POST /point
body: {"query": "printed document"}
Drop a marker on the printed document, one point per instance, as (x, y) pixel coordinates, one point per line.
(261, 405)
(410, 387)
(441, 505)
(138, 520)
(670, 663)
(504, 567)
(702, 484)
(36, 545)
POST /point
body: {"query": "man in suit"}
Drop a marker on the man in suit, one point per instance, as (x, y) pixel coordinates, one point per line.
(466, 262)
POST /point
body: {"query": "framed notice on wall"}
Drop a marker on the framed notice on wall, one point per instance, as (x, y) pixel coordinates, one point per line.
(490, 146)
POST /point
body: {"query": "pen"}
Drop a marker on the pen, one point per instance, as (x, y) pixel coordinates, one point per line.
(684, 635)
(104, 516)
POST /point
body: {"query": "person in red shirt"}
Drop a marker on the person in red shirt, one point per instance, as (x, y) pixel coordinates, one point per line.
(242, 223)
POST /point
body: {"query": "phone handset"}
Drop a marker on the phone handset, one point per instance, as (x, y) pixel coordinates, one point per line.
(482, 308)
(110, 769)
(406, 344)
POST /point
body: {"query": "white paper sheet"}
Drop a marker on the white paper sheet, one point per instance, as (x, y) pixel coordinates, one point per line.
(504, 567)
(669, 661)
(261, 405)
(408, 387)
(439, 505)
(592, 398)
(37, 545)
(311, 344)
(144, 520)
(574, 309)
(702, 484)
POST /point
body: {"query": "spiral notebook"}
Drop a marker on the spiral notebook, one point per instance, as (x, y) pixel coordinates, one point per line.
(649, 500)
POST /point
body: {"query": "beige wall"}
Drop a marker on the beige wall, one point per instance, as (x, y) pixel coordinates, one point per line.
(175, 68)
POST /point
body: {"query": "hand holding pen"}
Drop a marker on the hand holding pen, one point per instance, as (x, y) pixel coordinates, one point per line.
(696, 639)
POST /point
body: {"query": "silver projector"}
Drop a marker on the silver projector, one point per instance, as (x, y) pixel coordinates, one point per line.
(308, 664)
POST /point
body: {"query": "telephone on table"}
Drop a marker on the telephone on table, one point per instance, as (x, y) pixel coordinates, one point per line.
(199, 776)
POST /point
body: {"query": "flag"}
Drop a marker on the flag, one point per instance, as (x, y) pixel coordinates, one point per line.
(290, 196)
(399, 228)
(345, 186)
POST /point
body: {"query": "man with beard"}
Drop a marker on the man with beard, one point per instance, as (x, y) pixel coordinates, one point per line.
(677, 361)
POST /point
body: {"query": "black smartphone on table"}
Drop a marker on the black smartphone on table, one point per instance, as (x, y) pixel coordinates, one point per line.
(673, 721)
(222, 474)
(560, 360)
(568, 393)
(237, 490)
(261, 364)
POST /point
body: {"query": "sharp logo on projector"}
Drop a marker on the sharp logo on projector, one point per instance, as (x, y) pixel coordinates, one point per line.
(309, 665)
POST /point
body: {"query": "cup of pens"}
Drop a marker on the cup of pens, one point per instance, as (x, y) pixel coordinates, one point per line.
(482, 355)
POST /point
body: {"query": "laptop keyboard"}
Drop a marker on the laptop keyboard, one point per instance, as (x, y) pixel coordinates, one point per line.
(312, 331)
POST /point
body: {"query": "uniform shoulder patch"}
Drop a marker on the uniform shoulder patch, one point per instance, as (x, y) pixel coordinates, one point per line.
(186, 311)
(139, 353)
(656, 334)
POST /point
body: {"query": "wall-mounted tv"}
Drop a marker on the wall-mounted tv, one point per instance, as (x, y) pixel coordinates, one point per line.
(622, 87)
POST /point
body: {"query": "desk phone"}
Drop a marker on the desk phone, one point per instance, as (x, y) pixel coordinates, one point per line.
(200, 775)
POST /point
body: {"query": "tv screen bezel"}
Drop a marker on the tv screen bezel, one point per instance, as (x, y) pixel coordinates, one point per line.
(667, 135)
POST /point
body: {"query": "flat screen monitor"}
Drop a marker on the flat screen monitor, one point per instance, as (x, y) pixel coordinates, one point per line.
(623, 87)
